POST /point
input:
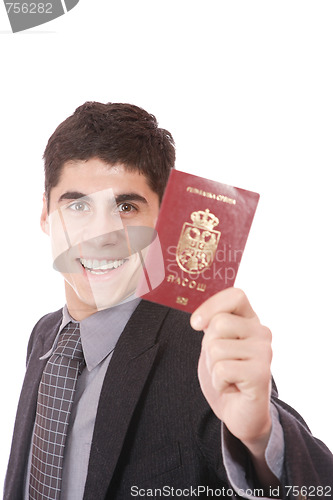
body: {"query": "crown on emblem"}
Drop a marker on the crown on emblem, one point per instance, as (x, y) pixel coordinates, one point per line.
(204, 219)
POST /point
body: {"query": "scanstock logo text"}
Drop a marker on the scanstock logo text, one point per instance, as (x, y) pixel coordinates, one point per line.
(25, 14)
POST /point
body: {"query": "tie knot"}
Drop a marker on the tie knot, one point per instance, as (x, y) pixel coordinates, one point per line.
(69, 343)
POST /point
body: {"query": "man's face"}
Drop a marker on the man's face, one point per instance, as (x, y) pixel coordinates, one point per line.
(99, 221)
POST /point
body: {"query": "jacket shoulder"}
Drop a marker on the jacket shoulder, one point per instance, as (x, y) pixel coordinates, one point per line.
(44, 329)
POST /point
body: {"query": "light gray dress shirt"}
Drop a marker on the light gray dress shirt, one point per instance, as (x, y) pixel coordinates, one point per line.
(99, 334)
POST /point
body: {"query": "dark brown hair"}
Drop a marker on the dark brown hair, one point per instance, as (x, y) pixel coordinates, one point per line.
(114, 133)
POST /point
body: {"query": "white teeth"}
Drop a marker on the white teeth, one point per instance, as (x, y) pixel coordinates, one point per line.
(86, 263)
(101, 266)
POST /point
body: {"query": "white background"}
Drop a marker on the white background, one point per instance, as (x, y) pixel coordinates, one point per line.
(246, 89)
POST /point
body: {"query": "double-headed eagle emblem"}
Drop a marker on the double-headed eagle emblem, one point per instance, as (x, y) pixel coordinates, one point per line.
(198, 242)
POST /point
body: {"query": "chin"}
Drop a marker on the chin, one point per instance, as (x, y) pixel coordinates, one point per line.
(100, 301)
(105, 304)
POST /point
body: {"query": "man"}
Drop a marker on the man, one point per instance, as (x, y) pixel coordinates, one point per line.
(163, 404)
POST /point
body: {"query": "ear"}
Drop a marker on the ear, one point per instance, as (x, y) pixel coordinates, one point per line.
(44, 219)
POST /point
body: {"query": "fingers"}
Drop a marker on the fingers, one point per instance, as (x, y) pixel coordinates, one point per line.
(237, 368)
(226, 325)
(234, 365)
(230, 375)
(230, 300)
(246, 376)
(228, 349)
(236, 347)
(237, 351)
(232, 338)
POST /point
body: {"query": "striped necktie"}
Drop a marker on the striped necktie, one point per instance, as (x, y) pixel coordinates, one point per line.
(55, 398)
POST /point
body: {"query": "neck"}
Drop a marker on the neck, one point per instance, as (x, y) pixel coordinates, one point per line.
(78, 309)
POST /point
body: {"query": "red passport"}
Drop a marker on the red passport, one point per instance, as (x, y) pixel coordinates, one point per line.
(202, 229)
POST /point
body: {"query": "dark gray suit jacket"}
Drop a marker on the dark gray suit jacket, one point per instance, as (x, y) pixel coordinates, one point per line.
(153, 426)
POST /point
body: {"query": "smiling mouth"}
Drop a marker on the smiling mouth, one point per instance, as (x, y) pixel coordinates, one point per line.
(95, 266)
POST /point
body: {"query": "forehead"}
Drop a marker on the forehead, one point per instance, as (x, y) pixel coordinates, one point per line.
(95, 175)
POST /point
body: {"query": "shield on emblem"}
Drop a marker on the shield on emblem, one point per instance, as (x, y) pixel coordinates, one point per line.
(198, 242)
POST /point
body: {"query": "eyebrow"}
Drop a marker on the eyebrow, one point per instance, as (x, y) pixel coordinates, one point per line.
(72, 195)
(130, 197)
(75, 195)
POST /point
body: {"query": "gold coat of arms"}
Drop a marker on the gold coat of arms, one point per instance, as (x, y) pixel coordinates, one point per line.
(198, 242)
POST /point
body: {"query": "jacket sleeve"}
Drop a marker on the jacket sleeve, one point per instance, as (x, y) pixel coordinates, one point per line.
(308, 463)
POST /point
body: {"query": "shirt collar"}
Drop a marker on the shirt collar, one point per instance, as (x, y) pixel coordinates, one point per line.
(99, 332)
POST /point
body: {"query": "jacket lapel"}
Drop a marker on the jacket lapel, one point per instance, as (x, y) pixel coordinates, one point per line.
(127, 373)
(44, 333)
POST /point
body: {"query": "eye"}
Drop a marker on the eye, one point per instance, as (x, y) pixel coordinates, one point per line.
(126, 208)
(79, 206)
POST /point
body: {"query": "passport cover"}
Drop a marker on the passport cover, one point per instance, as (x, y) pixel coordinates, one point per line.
(202, 229)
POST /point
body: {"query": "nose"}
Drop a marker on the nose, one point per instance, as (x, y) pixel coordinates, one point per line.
(106, 239)
(103, 229)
